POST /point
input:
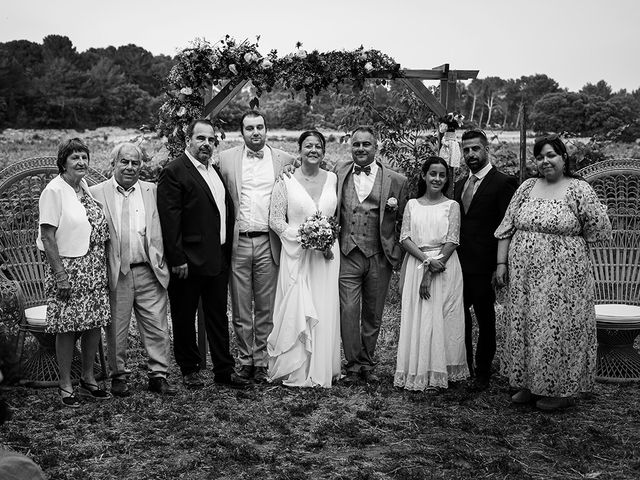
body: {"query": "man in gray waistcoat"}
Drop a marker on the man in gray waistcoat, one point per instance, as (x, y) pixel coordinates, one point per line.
(371, 200)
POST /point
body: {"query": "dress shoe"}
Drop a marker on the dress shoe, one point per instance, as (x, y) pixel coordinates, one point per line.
(161, 386)
(351, 378)
(233, 380)
(92, 391)
(261, 375)
(246, 372)
(369, 377)
(523, 396)
(192, 380)
(120, 388)
(479, 383)
(550, 404)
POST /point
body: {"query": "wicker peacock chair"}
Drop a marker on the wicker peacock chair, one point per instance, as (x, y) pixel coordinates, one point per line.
(617, 269)
(23, 266)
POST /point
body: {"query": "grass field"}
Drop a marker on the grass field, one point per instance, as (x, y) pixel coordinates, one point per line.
(361, 432)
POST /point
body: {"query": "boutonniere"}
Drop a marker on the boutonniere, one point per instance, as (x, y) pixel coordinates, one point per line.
(392, 204)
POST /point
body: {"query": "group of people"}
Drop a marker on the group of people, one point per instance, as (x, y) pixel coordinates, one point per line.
(209, 229)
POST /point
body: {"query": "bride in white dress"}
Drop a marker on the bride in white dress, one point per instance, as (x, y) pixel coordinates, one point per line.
(304, 345)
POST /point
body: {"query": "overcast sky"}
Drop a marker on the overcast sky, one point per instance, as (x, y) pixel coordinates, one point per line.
(572, 41)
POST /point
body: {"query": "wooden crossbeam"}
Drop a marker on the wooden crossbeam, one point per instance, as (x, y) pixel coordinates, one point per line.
(423, 93)
(437, 74)
(412, 79)
(224, 96)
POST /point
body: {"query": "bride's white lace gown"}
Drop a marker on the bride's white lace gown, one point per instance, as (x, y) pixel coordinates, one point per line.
(304, 345)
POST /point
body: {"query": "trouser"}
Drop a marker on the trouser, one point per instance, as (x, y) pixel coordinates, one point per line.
(184, 295)
(138, 291)
(479, 294)
(364, 283)
(253, 282)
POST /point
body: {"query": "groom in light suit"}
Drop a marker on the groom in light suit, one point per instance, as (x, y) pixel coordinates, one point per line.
(138, 274)
(371, 200)
(250, 171)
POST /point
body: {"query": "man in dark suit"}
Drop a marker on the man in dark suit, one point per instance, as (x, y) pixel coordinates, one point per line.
(197, 217)
(484, 196)
(371, 200)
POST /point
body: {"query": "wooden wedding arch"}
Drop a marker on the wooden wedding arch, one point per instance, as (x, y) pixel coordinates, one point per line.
(207, 77)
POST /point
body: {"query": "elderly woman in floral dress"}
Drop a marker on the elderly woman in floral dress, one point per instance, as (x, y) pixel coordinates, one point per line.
(73, 235)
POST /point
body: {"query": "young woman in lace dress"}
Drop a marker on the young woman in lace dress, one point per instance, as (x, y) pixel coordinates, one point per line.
(304, 345)
(431, 349)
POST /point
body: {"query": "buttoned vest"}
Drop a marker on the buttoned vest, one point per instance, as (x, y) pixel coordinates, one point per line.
(360, 222)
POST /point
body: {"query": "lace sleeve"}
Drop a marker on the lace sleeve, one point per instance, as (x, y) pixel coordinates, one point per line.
(278, 208)
(405, 231)
(453, 233)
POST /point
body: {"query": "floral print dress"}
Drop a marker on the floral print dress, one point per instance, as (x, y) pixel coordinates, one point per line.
(88, 305)
(550, 332)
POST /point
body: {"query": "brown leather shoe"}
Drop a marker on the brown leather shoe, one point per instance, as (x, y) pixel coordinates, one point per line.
(233, 381)
(246, 372)
(261, 375)
(369, 377)
(523, 396)
(351, 378)
(193, 380)
(161, 386)
(551, 404)
(120, 388)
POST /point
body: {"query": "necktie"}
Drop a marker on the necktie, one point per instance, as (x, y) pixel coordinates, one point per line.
(252, 154)
(125, 232)
(467, 196)
(357, 169)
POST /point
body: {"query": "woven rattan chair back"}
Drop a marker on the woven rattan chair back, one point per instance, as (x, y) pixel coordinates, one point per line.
(617, 262)
(20, 188)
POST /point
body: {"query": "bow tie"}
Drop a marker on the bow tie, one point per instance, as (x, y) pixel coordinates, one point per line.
(357, 169)
(252, 154)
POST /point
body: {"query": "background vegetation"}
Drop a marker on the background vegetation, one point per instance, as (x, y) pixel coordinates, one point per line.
(52, 85)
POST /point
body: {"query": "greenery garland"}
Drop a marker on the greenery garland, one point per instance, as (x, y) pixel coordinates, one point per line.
(203, 65)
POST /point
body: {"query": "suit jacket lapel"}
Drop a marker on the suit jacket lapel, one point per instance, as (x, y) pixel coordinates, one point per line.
(198, 178)
(237, 170)
(483, 184)
(147, 200)
(342, 175)
(384, 192)
(110, 202)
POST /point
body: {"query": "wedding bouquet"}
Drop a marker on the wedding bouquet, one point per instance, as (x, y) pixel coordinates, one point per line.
(318, 232)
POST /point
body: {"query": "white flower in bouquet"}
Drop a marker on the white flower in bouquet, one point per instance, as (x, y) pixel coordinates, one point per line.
(318, 232)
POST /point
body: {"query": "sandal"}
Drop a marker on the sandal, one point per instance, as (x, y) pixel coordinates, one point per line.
(91, 390)
(70, 400)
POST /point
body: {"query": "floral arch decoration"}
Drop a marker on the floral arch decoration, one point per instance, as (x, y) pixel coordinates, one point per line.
(203, 67)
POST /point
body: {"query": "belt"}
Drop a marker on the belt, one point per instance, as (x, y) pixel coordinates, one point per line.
(139, 264)
(252, 234)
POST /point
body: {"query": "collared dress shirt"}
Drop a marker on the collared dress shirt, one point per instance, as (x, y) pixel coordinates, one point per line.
(480, 176)
(255, 192)
(364, 183)
(137, 221)
(216, 187)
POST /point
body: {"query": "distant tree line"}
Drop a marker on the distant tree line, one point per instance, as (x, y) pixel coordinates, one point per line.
(51, 85)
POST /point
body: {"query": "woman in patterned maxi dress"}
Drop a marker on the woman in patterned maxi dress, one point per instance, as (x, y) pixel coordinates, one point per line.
(550, 338)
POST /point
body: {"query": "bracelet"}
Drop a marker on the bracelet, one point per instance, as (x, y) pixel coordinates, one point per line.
(502, 263)
(60, 275)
